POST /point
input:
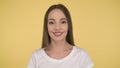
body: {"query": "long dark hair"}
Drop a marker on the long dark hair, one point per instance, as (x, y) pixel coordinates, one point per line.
(46, 38)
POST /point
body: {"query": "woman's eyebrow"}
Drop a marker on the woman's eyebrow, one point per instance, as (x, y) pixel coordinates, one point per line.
(54, 19)
(63, 19)
(51, 19)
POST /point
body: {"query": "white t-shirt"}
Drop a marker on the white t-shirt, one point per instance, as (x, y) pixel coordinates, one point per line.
(78, 58)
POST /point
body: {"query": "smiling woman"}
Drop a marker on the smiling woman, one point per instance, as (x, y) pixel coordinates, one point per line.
(58, 48)
(57, 25)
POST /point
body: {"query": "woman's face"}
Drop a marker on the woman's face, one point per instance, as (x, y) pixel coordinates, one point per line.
(57, 25)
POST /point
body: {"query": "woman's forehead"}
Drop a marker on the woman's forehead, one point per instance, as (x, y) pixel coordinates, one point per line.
(56, 13)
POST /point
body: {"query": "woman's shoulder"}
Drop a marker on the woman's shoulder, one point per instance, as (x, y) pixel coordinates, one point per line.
(84, 56)
(81, 51)
(37, 52)
(78, 49)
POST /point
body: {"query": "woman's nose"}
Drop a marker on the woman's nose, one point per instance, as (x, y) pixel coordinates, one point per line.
(57, 26)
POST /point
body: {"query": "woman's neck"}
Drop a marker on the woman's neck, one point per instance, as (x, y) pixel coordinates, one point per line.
(58, 50)
(58, 46)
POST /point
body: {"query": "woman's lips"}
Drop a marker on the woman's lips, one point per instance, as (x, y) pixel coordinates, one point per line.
(57, 33)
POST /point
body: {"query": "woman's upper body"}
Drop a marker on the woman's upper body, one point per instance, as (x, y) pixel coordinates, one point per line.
(58, 50)
(77, 58)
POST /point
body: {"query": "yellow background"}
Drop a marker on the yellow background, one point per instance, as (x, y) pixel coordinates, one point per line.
(96, 25)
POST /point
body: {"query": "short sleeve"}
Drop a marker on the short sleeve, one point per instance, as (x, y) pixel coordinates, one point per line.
(87, 62)
(32, 61)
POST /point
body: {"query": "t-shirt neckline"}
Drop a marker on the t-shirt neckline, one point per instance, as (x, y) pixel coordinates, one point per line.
(59, 60)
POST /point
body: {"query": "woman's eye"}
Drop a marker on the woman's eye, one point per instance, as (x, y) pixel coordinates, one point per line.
(64, 22)
(51, 22)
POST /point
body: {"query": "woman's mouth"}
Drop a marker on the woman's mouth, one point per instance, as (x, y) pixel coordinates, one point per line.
(57, 33)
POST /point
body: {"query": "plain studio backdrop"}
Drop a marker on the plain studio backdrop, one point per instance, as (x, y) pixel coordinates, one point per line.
(96, 26)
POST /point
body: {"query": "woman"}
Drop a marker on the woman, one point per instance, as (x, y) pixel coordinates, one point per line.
(58, 48)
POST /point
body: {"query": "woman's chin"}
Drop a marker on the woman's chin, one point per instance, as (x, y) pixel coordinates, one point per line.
(58, 39)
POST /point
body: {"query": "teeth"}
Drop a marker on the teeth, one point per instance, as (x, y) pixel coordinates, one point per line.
(57, 33)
